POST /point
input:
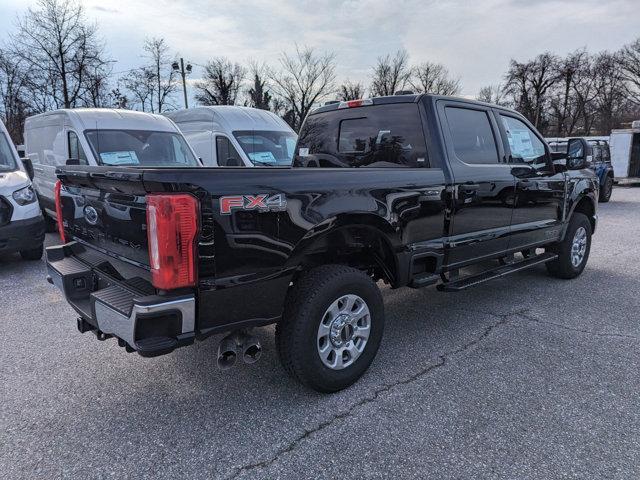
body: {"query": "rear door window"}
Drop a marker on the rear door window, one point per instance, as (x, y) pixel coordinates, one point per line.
(473, 139)
(372, 136)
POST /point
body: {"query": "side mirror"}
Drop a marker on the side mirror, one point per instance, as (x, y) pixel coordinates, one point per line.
(28, 166)
(72, 161)
(578, 154)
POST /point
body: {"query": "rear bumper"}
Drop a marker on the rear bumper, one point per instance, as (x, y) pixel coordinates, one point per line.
(112, 306)
(22, 234)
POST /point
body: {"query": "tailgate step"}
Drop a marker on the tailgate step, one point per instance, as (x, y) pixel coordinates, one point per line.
(115, 297)
(501, 271)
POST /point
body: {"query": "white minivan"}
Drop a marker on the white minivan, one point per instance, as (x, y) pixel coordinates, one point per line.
(99, 136)
(233, 136)
(21, 223)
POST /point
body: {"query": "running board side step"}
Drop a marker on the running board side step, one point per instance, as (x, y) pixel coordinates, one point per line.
(501, 271)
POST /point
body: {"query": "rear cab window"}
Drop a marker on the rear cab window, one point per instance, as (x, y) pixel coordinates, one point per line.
(388, 135)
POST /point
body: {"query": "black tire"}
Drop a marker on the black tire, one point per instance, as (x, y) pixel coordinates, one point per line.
(606, 190)
(32, 254)
(563, 267)
(50, 225)
(306, 305)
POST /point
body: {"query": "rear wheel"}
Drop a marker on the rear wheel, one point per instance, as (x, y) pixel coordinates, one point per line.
(606, 190)
(32, 254)
(331, 328)
(573, 251)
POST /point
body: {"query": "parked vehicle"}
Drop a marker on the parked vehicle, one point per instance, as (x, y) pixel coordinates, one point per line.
(625, 153)
(599, 157)
(231, 136)
(21, 222)
(97, 136)
(407, 189)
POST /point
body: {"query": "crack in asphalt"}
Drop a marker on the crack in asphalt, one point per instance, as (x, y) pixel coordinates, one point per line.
(441, 361)
(533, 319)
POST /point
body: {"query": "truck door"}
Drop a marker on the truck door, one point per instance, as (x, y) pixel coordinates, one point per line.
(539, 195)
(483, 185)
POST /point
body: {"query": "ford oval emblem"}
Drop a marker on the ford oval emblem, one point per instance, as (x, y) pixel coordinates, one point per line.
(90, 215)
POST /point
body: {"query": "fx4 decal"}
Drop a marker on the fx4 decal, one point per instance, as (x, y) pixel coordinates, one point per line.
(262, 202)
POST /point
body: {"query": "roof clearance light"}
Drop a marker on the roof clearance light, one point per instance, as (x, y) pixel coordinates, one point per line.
(356, 103)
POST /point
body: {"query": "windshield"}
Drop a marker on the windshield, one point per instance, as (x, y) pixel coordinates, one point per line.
(7, 159)
(266, 148)
(140, 147)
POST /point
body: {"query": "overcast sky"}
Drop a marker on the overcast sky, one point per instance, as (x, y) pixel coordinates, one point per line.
(474, 39)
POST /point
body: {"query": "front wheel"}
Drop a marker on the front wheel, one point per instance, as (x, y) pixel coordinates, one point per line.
(606, 190)
(573, 251)
(331, 328)
(33, 253)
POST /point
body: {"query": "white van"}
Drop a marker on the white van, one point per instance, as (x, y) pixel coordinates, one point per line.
(21, 223)
(232, 136)
(100, 136)
(625, 153)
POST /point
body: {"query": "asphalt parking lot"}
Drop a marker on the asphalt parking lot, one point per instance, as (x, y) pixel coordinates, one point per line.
(524, 377)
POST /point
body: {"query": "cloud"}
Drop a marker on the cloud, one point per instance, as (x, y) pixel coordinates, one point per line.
(474, 39)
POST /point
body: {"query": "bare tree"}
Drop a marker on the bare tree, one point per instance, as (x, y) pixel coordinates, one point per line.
(528, 84)
(221, 83)
(611, 97)
(434, 78)
(492, 94)
(630, 58)
(118, 99)
(61, 51)
(390, 74)
(258, 95)
(141, 84)
(165, 77)
(350, 91)
(564, 105)
(305, 78)
(14, 107)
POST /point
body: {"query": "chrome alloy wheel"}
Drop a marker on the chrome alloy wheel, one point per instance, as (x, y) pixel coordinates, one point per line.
(578, 247)
(343, 332)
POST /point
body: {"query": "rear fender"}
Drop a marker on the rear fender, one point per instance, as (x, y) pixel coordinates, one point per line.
(336, 236)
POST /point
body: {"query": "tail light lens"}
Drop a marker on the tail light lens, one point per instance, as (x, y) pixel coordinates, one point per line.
(58, 201)
(172, 232)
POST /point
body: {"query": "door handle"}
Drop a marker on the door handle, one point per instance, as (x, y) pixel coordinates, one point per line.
(470, 187)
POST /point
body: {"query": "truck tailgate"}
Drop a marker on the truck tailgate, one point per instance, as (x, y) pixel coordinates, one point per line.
(107, 212)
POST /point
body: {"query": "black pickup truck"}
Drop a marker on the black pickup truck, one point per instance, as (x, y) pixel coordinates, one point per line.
(408, 190)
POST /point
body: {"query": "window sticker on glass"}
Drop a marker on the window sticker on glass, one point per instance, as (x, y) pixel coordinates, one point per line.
(263, 157)
(119, 158)
(304, 152)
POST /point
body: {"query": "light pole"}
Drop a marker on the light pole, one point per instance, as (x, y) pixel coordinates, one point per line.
(179, 67)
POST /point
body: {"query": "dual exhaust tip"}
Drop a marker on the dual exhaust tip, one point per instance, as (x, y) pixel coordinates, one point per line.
(238, 344)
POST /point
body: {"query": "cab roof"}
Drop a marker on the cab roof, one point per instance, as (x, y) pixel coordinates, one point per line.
(409, 98)
(107, 119)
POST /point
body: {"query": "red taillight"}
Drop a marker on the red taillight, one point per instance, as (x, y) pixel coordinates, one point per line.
(59, 211)
(172, 232)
